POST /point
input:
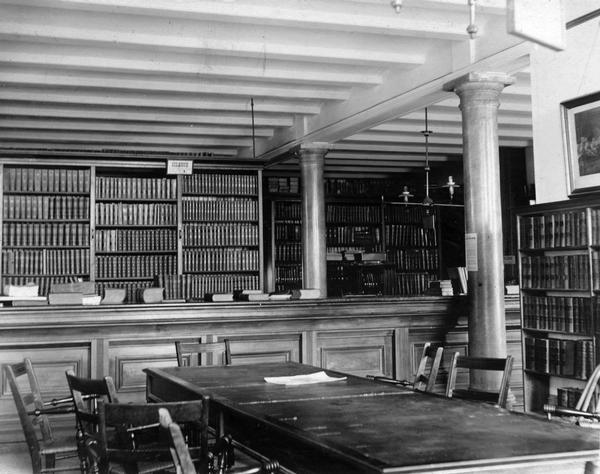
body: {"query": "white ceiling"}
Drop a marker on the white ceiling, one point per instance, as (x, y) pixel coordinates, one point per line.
(151, 77)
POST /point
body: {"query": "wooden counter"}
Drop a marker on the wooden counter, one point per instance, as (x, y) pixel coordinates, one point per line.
(356, 335)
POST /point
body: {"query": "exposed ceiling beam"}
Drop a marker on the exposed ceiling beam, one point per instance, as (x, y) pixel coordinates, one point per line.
(150, 114)
(73, 79)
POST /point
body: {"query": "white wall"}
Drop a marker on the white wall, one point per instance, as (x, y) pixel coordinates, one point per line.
(555, 78)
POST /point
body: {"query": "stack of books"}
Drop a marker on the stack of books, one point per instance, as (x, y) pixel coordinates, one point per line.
(440, 288)
(75, 293)
(22, 295)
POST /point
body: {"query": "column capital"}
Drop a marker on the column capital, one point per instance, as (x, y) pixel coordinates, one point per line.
(480, 80)
(314, 148)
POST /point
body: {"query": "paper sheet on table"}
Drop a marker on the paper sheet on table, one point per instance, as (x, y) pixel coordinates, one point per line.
(317, 377)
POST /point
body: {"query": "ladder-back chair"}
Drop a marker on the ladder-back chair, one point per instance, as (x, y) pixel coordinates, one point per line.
(500, 364)
(45, 449)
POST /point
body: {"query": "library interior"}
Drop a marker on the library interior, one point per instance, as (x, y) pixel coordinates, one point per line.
(325, 236)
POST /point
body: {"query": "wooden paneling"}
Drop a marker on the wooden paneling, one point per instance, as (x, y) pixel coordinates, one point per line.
(366, 336)
(50, 361)
(127, 359)
(250, 349)
(358, 353)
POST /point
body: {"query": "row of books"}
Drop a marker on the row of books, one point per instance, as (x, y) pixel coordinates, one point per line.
(562, 357)
(335, 252)
(283, 184)
(120, 213)
(414, 259)
(46, 261)
(288, 277)
(134, 266)
(243, 234)
(561, 229)
(400, 214)
(118, 187)
(348, 234)
(220, 183)
(440, 288)
(595, 220)
(409, 235)
(571, 314)
(285, 210)
(567, 397)
(45, 207)
(46, 180)
(356, 187)
(352, 213)
(222, 260)
(288, 231)
(555, 272)
(48, 234)
(132, 289)
(139, 240)
(219, 209)
(288, 252)
(194, 287)
(411, 284)
(44, 283)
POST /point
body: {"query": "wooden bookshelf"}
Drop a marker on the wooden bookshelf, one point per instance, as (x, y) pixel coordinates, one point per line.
(45, 225)
(560, 282)
(412, 245)
(135, 230)
(358, 221)
(221, 235)
(132, 228)
(287, 244)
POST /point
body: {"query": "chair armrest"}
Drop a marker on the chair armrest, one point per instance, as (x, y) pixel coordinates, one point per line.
(51, 411)
(550, 410)
(381, 378)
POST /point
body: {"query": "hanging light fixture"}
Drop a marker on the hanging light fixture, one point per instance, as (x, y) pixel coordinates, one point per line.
(426, 133)
(396, 5)
(472, 28)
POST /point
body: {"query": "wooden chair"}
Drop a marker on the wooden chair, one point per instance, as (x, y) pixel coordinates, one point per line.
(587, 410)
(190, 353)
(86, 393)
(503, 365)
(220, 456)
(427, 371)
(180, 454)
(130, 439)
(46, 449)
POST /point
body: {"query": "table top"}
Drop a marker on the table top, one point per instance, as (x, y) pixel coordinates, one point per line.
(381, 426)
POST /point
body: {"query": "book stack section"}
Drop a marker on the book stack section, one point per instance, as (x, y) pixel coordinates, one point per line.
(358, 222)
(221, 236)
(413, 248)
(287, 234)
(45, 232)
(560, 278)
(136, 232)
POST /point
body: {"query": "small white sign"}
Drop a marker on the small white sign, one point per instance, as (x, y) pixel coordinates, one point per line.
(509, 260)
(180, 166)
(471, 252)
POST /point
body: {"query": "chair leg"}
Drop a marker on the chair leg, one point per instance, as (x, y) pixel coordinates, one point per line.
(50, 461)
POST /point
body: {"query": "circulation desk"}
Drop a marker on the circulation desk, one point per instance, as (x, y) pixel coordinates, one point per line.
(358, 426)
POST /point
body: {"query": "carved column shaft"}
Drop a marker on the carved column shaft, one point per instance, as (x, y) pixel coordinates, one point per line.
(314, 249)
(479, 102)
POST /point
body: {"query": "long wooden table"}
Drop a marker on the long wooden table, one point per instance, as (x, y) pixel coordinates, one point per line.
(361, 426)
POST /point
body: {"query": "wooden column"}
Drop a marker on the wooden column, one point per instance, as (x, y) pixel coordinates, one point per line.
(314, 250)
(479, 101)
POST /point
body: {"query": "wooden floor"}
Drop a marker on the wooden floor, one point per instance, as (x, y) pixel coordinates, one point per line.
(15, 462)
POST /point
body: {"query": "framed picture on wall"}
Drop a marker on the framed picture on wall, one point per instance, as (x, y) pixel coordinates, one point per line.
(581, 118)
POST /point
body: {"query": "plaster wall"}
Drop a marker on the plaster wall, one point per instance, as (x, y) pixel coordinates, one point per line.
(555, 78)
